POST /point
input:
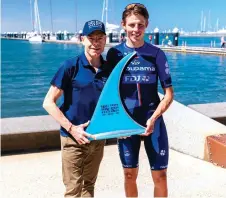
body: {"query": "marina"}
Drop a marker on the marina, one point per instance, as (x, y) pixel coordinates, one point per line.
(180, 49)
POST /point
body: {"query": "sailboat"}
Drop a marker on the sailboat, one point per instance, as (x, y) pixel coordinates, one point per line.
(52, 36)
(110, 28)
(36, 36)
(76, 37)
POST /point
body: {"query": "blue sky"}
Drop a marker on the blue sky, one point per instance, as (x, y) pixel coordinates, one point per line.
(164, 14)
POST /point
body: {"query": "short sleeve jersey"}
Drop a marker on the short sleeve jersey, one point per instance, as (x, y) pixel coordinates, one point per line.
(139, 86)
(81, 86)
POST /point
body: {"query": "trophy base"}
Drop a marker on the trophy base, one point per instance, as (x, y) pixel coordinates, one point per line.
(116, 134)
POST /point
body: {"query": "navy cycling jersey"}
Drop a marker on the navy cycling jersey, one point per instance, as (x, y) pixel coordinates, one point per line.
(139, 81)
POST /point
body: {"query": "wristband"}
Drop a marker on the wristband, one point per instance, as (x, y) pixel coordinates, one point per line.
(69, 129)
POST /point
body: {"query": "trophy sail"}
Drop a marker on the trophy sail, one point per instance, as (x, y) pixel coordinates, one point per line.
(110, 118)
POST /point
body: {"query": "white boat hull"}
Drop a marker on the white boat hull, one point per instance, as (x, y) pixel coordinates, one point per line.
(52, 38)
(35, 39)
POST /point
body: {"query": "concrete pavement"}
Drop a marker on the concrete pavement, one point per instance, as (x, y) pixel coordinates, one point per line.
(38, 175)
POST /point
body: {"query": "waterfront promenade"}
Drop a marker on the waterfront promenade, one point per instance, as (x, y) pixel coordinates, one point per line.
(38, 175)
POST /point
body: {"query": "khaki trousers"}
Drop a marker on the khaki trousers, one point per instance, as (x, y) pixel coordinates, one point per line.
(80, 165)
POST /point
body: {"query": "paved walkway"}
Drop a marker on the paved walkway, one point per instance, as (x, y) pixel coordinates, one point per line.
(38, 175)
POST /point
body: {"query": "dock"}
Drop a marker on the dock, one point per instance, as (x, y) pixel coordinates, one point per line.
(177, 49)
(195, 50)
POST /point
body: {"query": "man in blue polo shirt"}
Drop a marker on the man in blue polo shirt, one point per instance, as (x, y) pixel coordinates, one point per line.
(79, 80)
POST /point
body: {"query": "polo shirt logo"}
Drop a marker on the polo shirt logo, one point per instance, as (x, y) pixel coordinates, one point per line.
(104, 80)
(94, 23)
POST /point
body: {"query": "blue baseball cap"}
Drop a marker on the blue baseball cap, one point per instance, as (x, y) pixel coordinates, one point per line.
(91, 26)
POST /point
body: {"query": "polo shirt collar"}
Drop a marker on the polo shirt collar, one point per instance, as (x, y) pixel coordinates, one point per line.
(85, 62)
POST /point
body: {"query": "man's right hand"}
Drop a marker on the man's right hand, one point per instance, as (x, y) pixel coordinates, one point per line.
(79, 134)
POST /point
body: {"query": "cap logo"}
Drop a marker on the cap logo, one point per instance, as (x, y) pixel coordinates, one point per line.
(94, 23)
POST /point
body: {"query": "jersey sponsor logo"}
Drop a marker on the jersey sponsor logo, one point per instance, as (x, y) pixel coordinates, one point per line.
(137, 79)
(104, 80)
(135, 62)
(141, 68)
(127, 166)
(167, 70)
(162, 152)
(127, 153)
(166, 64)
(163, 167)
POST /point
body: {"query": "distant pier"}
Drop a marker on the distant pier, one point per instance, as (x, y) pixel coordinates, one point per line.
(178, 49)
(195, 50)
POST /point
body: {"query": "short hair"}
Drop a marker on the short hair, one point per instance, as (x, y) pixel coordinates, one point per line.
(136, 9)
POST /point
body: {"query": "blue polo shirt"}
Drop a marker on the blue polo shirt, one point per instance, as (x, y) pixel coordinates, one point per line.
(139, 80)
(82, 86)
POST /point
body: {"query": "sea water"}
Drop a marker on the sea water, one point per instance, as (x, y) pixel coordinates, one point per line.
(27, 70)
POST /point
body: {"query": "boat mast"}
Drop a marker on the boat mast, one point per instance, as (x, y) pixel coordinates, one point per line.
(51, 15)
(209, 22)
(76, 29)
(32, 23)
(204, 24)
(39, 24)
(217, 24)
(201, 21)
(106, 12)
(103, 10)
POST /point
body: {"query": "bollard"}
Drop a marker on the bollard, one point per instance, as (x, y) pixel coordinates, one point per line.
(65, 35)
(175, 39)
(110, 37)
(59, 35)
(68, 36)
(150, 38)
(156, 36)
(122, 35)
(80, 35)
(175, 36)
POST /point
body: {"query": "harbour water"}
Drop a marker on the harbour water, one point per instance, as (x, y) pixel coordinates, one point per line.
(191, 40)
(28, 68)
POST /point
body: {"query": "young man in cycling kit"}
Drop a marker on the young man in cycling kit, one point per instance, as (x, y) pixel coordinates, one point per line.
(139, 91)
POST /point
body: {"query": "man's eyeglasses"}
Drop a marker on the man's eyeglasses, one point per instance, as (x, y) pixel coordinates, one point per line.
(133, 5)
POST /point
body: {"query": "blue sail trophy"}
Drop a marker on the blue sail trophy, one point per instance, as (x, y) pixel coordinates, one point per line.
(110, 119)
